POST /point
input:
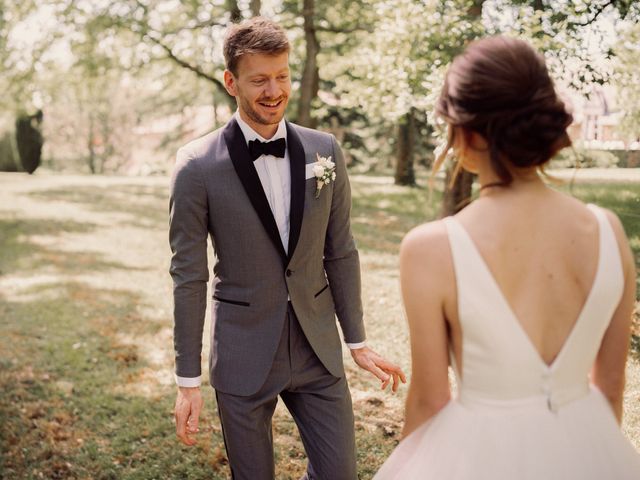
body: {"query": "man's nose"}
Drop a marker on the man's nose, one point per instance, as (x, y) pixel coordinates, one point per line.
(272, 89)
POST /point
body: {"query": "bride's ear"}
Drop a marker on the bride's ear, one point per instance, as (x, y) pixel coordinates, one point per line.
(468, 146)
(465, 139)
(476, 141)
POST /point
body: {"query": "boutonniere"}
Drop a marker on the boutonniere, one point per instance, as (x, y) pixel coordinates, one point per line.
(325, 172)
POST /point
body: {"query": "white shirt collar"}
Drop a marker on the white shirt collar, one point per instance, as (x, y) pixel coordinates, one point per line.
(250, 134)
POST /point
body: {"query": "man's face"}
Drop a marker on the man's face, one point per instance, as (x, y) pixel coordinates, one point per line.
(262, 89)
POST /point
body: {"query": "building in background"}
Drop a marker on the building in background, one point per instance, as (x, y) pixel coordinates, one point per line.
(597, 121)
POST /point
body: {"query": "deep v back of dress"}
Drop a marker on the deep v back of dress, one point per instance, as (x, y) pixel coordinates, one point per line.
(499, 360)
(517, 417)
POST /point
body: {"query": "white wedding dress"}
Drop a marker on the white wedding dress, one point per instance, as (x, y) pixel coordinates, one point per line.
(515, 417)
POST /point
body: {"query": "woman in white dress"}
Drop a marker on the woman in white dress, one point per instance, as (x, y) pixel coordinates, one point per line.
(527, 292)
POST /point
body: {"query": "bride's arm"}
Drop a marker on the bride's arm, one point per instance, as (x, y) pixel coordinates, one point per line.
(425, 276)
(609, 369)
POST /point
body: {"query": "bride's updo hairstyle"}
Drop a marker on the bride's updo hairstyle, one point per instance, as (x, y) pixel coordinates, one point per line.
(499, 87)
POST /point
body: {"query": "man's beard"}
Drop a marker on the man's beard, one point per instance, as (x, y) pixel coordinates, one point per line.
(255, 116)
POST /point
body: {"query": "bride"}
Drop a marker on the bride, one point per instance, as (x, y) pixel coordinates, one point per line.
(527, 292)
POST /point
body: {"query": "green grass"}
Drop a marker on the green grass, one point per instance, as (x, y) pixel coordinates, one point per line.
(86, 386)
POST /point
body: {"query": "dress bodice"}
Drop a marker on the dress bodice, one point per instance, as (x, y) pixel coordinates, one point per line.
(500, 363)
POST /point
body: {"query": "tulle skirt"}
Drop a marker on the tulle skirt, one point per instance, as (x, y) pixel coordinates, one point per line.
(517, 441)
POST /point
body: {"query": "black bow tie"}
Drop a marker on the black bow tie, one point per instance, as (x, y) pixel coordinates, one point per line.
(275, 148)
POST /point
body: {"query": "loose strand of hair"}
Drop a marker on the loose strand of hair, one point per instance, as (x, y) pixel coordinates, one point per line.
(440, 160)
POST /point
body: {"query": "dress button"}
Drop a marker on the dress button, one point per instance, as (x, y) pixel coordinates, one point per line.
(289, 272)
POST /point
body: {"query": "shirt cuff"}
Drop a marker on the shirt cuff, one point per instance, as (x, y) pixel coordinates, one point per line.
(354, 346)
(188, 382)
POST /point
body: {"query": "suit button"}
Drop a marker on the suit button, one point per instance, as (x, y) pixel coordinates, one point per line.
(289, 272)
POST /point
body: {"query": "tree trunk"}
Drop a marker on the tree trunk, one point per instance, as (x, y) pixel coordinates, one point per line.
(90, 140)
(255, 6)
(405, 174)
(475, 10)
(234, 11)
(459, 195)
(310, 82)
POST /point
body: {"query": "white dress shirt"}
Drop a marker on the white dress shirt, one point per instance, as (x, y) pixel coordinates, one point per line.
(275, 177)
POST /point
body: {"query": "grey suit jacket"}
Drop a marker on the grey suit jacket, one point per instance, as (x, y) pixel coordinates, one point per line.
(216, 192)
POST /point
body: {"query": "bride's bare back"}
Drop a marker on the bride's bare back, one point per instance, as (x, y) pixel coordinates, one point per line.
(541, 247)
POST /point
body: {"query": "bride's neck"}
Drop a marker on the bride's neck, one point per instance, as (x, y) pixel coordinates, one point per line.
(523, 180)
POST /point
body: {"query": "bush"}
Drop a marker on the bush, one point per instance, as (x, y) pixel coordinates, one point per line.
(29, 140)
(583, 158)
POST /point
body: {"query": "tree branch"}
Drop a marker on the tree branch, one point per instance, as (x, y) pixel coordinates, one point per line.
(357, 28)
(172, 56)
(183, 63)
(597, 13)
(196, 26)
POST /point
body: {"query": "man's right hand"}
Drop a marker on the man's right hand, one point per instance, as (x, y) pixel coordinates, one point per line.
(187, 411)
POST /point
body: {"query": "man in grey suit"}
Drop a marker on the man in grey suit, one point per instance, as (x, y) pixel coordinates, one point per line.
(286, 266)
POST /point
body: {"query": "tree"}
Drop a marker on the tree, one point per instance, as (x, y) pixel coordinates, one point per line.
(310, 81)
(397, 70)
(106, 57)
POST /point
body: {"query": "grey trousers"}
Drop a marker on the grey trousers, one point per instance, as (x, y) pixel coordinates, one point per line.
(319, 403)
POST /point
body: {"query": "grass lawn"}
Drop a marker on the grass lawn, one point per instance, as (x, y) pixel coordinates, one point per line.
(86, 356)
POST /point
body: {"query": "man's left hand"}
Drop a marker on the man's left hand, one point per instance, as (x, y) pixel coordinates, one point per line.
(386, 371)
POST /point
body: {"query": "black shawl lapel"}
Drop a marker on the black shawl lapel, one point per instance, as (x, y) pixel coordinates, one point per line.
(239, 153)
(298, 167)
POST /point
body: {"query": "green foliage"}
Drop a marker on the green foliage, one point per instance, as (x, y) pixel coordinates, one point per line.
(584, 158)
(400, 65)
(17, 63)
(379, 59)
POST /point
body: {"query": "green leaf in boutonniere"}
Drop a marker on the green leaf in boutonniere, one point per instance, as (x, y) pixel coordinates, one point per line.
(324, 171)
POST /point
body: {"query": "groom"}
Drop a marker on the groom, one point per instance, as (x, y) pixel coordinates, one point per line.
(286, 265)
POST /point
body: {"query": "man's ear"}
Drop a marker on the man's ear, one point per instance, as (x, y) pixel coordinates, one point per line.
(230, 83)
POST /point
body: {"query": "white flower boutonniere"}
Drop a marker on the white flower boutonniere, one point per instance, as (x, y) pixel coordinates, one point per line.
(325, 172)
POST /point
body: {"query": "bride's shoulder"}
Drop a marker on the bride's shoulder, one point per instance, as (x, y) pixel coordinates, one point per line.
(425, 260)
(428, 240)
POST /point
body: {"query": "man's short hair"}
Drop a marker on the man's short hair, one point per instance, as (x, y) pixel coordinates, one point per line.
(257, 35)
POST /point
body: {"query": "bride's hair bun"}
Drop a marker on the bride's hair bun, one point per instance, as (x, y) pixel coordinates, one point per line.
(500, 88)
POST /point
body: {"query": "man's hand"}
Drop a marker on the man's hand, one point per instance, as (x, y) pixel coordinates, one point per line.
(381, 368)
(187, 411)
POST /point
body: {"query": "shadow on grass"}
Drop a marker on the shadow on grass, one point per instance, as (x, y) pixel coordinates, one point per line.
(63, 409)
(146, 206)
(383, 214)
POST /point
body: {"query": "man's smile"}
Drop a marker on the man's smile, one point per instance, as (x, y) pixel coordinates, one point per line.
(271, 103)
